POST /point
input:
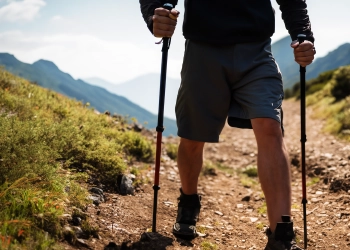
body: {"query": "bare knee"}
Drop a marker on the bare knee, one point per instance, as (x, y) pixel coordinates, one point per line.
(191, 146)
(266, 127)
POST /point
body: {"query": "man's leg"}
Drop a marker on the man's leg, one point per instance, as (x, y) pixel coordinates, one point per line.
(273, 169)
(189, 161)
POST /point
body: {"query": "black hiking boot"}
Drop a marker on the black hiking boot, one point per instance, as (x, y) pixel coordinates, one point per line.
(283, 238)
(187, 216)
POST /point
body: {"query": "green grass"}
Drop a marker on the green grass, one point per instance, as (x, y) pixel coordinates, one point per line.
(251, 171)
(329, 96)
(295, 206)
(248, 176)
(313, 181)
(206, 245)
(263, 209)
(260, 226)
(50, 146)
(201, 229)
(210, 168)
(248, 182)
(171, 150)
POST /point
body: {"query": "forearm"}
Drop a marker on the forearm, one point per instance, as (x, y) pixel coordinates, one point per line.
(147, 10)
(296, 18)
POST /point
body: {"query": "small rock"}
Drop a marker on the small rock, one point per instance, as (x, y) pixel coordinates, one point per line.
(96, 199)
(168, 203)
(83, 243)
(253, 219)
(76, 221)
(314, 200)
(246, 198)
(96, 190)
(111, 246)
(78, 232)
(126, 186)
(219, 213)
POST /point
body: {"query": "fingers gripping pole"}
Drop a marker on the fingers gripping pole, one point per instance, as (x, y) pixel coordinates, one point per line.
(160, 128)
(303, 139)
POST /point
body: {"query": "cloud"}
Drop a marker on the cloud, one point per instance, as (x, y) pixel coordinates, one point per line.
(85, 56)
(56, 18)
(25, 10)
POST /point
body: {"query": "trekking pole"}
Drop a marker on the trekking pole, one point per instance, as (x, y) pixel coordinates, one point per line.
(301, 39)
(160, 128)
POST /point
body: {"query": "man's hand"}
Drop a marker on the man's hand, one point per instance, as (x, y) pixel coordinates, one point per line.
(164, 22)
(304, 52)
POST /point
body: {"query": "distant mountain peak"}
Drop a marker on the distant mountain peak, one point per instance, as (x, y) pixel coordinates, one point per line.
(8, 57)
(46, 63)
(4, 54)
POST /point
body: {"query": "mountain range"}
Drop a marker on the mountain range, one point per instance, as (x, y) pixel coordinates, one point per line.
(48, 75)
(144, 91)
(139, 97)
(147, 86)
(290, 70)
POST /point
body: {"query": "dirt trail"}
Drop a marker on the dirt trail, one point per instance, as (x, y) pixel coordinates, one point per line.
(233, 214)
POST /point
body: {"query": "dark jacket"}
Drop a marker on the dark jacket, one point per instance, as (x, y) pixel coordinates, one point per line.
(235, 21)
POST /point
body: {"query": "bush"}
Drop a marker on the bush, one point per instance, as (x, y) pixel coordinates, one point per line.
(45, 139)
(311, 86)
(171, 150)
(341, 88)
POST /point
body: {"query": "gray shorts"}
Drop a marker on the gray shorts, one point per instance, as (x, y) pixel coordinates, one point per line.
(239, 82)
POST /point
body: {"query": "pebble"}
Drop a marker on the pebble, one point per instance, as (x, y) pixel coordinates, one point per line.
(219, 213)
(253, 219)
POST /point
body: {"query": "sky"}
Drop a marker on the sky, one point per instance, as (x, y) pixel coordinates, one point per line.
(109, 39)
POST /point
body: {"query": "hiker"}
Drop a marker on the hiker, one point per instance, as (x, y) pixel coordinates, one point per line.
(229, 73)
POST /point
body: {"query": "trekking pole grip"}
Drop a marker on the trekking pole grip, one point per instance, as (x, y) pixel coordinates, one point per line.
(301, 39)
(168, 6)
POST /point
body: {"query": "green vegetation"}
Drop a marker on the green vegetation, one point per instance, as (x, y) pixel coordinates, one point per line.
(171, 150)
(210, 168)
(313, 181)
(248, 182)
(260, 226)
(201, 229)
(263, 209)
(329, 95)
(251, 171)
(206, 245)
(311, 86)
(49, 147)
(248, 176)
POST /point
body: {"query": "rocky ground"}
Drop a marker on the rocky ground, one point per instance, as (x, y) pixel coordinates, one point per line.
(233, 214)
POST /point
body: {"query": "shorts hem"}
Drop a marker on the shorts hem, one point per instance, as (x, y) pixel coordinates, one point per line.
(196, 138)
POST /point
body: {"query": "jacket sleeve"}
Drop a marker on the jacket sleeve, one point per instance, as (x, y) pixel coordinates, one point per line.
(147, 10)
(296, 18)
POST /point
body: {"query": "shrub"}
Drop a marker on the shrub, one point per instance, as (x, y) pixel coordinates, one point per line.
(171, 150)
(45, 139)
(341, 88)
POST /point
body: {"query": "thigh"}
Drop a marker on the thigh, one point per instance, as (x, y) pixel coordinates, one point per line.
(204, 95)
(259, 91)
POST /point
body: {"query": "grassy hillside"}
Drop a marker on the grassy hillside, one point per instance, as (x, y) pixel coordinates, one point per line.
(48, 75)
(284, 56)
(329, 95)
(50, 147)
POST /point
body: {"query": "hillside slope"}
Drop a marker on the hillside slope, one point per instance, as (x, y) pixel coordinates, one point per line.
(290, 70)
(233, 214)
(48, 75)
